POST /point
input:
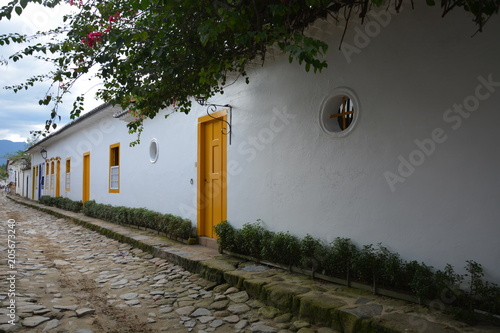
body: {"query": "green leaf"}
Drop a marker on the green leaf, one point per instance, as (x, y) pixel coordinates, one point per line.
(18, 10)
(430, 2)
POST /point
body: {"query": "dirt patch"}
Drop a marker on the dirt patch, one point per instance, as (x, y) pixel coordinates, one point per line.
(109, 318)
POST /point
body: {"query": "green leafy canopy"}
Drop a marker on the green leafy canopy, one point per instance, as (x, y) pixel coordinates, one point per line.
(160, 53)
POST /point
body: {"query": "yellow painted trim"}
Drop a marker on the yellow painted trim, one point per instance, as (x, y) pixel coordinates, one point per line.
(58, 177)
(52, 167)
(199, 187)
(111, 147)
(218, 114)
(33, 182)
(67, 170)
(86, 178)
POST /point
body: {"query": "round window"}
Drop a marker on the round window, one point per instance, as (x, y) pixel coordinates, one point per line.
(339, 112)
(153, 151)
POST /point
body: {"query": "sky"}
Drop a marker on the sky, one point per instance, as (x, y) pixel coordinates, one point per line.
(20, 112)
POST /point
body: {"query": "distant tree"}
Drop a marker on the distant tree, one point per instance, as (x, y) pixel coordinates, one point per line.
(164, 52)
(3, 172)
(18, 156)
(31, 141)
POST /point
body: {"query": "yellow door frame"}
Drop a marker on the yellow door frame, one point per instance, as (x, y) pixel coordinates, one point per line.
(201, 186)
(86, 177)
(33, 176)
(58, 177)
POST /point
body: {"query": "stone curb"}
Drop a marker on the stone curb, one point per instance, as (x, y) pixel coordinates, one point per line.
(337, 307)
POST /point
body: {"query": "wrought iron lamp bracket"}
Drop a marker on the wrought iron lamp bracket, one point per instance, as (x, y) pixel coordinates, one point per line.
(212, 108)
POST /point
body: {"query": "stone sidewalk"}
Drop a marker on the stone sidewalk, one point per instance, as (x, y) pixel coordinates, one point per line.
(336, 307)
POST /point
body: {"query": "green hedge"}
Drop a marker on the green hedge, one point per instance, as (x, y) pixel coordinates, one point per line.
(63, 203)
(374, 265)
(173, 226)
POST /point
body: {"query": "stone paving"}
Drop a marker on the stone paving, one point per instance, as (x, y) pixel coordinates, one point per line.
(71, 279)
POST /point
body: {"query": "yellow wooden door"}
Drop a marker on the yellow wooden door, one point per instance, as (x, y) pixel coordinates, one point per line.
(86, 178)
(212, 201)
(58, 178)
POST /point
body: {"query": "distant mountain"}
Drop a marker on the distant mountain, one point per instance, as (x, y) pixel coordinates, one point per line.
(9, 147)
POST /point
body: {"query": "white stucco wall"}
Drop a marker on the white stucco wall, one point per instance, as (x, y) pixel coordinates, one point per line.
(410, 72)
(409, 78)
(165, 185)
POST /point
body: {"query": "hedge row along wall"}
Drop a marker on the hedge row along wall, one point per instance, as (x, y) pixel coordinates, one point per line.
(374, 265)
(172, 226)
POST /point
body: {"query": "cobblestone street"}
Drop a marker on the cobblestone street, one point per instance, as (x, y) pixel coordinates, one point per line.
(71, 279)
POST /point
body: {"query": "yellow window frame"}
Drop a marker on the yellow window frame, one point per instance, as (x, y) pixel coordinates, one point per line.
(67, 175)
(114, 165)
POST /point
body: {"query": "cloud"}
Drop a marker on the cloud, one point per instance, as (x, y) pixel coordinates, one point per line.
(20, 112)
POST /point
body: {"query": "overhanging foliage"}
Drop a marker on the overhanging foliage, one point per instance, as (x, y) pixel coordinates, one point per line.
(163, 52)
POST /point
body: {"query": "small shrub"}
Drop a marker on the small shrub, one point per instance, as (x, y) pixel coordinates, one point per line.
(390, 272)
(365, 263)
(60, 202)
(477, 291)
(420, 280)
(136, 217)
(176, 226)
(149, 219)
(47, 200)
(68, 204)
(185, 229)
(340, 258)
(226, 237)
(282, 248)
(313, 253)
(490, 299)
(448, 284)
(120, 215)
(252, 239)
(164, 223)
(89, 208)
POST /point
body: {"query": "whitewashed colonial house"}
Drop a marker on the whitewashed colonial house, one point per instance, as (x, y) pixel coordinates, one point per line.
(18, 176)
(395, 142)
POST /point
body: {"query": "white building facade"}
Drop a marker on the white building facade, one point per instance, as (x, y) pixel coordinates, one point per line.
(395, 142)
(18, 177)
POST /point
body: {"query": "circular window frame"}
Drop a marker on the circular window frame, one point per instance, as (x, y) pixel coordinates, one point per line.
(331, 103)
(154, 157)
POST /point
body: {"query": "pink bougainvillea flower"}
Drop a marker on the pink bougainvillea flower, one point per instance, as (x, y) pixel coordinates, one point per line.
(115, 17)
(95, 35)
(92, 39)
